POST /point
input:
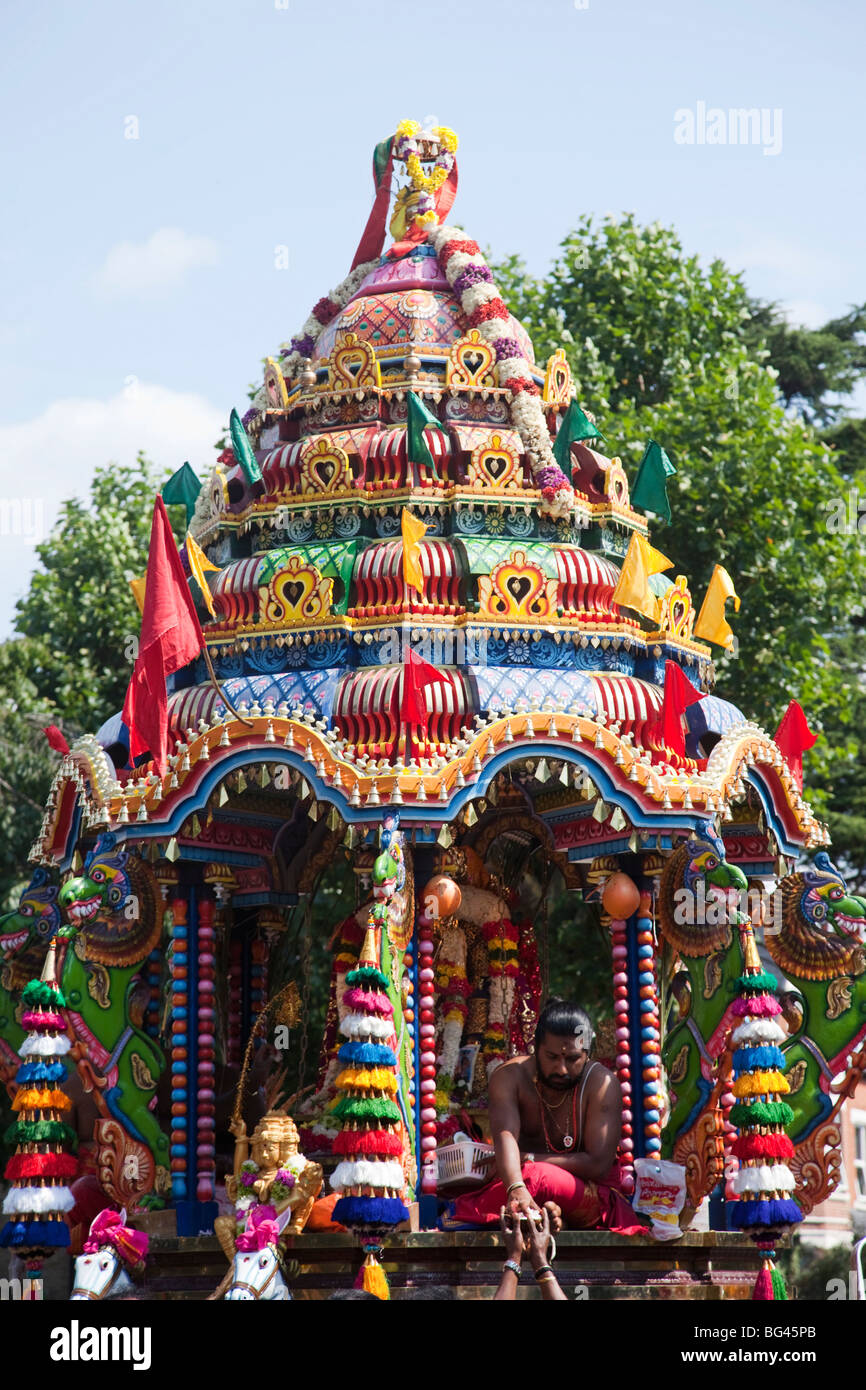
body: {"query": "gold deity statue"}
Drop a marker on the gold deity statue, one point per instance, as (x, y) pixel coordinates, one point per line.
(259, 1166)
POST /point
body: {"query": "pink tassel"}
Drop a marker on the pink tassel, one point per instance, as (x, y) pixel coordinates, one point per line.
(762, 1006)
(368, 1003)
(763, 1291)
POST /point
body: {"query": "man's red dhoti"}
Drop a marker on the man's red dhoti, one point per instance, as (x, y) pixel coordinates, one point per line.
(586, 1205)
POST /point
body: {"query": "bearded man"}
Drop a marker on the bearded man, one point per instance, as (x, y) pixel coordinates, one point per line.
(556, 1119)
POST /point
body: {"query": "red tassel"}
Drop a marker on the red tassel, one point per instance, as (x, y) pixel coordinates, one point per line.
(368, 1141)
(763, 1291)
(41, 1166)
(56, 739)
(762, 1146)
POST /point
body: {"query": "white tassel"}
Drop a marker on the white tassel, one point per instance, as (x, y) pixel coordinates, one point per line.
(777, 1178)
(364, 1173)
(758, 1030)
(366, 1026)
(38, 1200)
(48, 1045)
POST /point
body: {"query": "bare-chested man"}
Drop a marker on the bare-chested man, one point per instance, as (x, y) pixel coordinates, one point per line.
(556, 1119)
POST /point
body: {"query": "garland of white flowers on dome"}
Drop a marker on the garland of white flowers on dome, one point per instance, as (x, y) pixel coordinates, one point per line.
(471, 279)
(294, 353)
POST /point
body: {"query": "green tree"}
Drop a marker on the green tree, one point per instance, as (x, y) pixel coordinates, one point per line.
(79, 610)
(663, 346)
(26, 765)
(71, 662)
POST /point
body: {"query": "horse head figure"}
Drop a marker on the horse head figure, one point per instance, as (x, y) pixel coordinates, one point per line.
(110, 1250)
(257, 1268)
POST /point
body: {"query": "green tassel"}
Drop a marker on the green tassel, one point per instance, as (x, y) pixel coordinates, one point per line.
(763, 981)
(41, 1132)
(367, 975)
(761, 1112)
(38, 995)
(780, 1293)
(351, 1109)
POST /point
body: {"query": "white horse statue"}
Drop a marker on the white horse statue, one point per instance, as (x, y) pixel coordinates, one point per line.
(256, 1271)
(111, 1249)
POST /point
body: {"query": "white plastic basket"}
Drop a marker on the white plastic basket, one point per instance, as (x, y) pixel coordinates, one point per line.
(466, 1164)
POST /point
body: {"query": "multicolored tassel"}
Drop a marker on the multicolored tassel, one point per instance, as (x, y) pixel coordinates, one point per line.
(370, 1176)
(764, 1186)
(371, 1276)
(38, 1199)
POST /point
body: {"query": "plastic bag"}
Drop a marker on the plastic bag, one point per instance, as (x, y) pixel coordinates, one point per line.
(660, 1193)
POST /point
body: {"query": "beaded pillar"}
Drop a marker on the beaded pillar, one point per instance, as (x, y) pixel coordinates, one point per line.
(622, 1036)
(648, 1023)
(154, 993)
(426, 1052)
(179, 1049)
(206, 1100)
(233, 1027)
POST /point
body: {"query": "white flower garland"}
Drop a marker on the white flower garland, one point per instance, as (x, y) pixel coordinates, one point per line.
(527, 412)
(290, 365)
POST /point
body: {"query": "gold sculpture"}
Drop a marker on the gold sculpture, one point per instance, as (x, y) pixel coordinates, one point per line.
(274, 1148)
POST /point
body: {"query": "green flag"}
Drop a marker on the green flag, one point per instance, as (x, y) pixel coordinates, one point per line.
(650, 489)
(182, 489)
(243, 449)
(575, 427)
(416, 445)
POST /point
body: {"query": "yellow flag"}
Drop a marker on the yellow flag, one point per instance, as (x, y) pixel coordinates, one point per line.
(413, 530)
(711, 624)
(198, 563)
(633, 590)
(137, 587)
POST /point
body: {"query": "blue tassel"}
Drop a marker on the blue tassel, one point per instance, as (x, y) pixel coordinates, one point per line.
(29, 1072)
(370, 1211)
(773, 1212)
(761, 1058)
(14, 1233)
(370, 1054)
(51, 1233)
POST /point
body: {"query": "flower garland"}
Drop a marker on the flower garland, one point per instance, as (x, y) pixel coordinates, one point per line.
(470, 277)
(502, 949)
(426, 185)
(303, 345)
(454, 988)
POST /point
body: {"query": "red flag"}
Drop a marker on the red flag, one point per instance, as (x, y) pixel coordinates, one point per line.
(793, 737)
(679, 694)
(56, 739)
(417, 674)
(170, 638)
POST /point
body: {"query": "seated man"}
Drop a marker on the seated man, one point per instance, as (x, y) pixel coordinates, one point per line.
(556, 1119)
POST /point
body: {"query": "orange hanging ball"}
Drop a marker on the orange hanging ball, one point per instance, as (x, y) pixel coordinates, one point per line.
(441, 896)
(621, 897)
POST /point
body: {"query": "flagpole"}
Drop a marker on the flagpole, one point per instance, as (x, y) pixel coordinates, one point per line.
(216, 685)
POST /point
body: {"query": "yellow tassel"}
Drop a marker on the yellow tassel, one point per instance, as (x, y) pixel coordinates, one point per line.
(374, 1280)
(760, 1083)
(32, 1098)
(368, 1079)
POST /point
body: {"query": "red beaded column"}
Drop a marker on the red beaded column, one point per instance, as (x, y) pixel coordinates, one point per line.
(623, 1038)
(179, 1048)
(206, 1103)
(427, 1053)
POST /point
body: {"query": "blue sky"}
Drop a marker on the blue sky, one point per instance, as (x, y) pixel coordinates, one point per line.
(139, 282)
